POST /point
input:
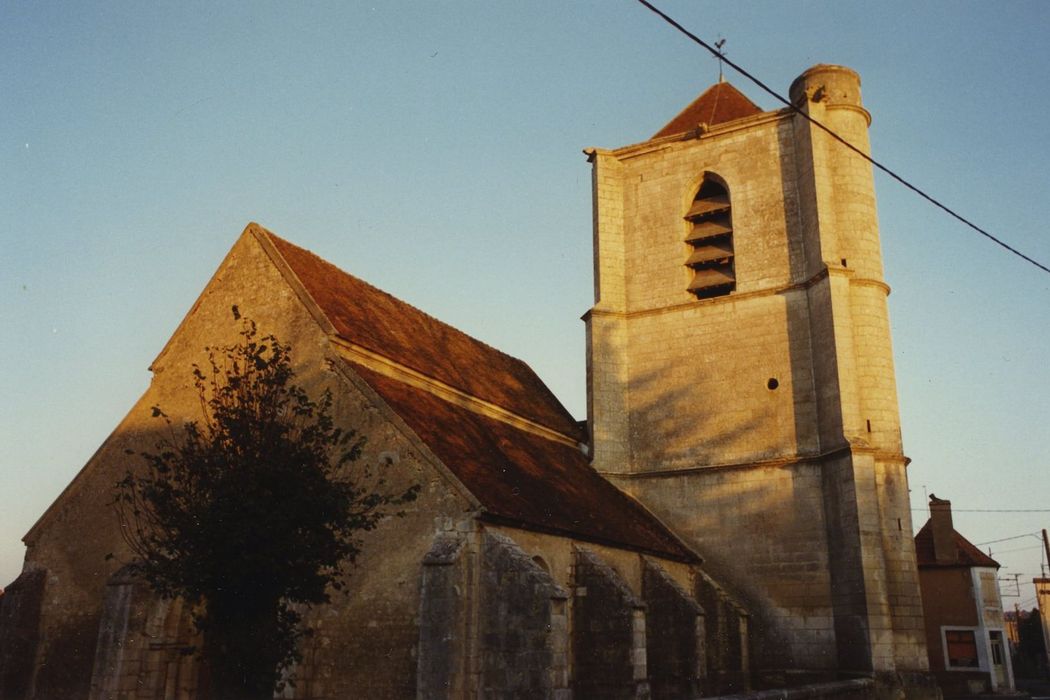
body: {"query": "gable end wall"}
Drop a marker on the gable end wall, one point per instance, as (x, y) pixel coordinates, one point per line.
(72, 539)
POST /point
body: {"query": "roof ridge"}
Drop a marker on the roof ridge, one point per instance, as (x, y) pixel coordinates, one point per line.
(718, 96)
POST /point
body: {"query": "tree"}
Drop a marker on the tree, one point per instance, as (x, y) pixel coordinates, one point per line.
(252, 513)
(1030, 657)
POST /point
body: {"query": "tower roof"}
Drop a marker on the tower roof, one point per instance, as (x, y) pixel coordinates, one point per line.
(717, 104)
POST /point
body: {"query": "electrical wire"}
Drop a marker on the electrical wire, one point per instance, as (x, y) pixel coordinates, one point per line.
(1020, 549)
(847, 144)
(1007, 539)
(1001, 510)
(992, 510)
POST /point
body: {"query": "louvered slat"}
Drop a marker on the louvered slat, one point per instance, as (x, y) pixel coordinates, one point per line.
(708, 205)
(709, 277)
(708, 253)
(708, 229)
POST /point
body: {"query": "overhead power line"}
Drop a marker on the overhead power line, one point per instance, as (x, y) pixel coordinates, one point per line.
(992, 510)
(1001, 510)
(718, 54)
(1007, 539)
(1020, 549)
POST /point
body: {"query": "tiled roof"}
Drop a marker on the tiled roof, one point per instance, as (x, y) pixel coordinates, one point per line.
(519, 477)
(717, 104)
(371, 318)
(523, 479)
(969, 555)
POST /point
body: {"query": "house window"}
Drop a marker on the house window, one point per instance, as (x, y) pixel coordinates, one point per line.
(997, 647)
(961, 649)
(710, 241)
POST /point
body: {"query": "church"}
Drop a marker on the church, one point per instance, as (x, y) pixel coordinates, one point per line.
(732, 515)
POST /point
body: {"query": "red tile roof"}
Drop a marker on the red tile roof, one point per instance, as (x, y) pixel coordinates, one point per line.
(969, 555)
(522, 479)
(717, 104)
(369, 317)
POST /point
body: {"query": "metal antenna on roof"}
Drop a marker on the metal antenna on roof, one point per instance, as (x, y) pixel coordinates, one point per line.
(721, 53)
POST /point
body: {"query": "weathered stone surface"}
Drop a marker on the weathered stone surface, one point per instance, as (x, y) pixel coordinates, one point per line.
(444, 604)
(145, 646)
(65, 656)
(674, 635)
(762, 425)
(19, 624)
(523, 626)
(608, 634)
(364, 644)
(726, 638)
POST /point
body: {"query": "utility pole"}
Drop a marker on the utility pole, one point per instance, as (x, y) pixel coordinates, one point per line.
(1042, 596)
(1046, 546)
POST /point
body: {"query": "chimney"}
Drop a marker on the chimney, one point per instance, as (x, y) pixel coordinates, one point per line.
(945, 549)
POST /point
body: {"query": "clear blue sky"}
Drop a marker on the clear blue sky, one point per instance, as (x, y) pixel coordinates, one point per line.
(434, 149)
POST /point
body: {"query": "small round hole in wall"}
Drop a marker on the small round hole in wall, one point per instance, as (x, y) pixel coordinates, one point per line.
(772, 383)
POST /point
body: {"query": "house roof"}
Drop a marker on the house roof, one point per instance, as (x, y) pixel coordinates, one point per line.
(968, 553)
(717, 104)
(523, 479)
(369, 317)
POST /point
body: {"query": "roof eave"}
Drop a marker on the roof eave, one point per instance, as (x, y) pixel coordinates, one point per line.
(686, 557)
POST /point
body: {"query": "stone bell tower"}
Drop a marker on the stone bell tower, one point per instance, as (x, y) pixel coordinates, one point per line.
(740, 374)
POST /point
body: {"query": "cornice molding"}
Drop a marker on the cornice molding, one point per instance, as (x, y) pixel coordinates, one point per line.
(878, 455)
(701, 133)
(826, 272)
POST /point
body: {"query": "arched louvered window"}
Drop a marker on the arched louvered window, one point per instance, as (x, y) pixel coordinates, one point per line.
(711, 241)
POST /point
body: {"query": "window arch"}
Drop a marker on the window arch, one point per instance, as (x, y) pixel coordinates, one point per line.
(541, 562)
(710, 240)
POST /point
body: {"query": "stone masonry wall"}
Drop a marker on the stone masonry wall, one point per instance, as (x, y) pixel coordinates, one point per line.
(495, 623)
(675, 637)
(523, 626)
(606, 327)
(763, 534)
(19, 618)
(762, 426)
(699, 370)
(145, 646)
(727, 633)
(608, 634)
(365, 640)
(445, 622)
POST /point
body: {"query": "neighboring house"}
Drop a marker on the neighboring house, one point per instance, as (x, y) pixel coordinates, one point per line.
(1012, 619)
(1042, 598)
(966, 630)
(734, 513)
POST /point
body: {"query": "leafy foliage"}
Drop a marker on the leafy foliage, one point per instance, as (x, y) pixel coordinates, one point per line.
(1029, 660)
(252, 513)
